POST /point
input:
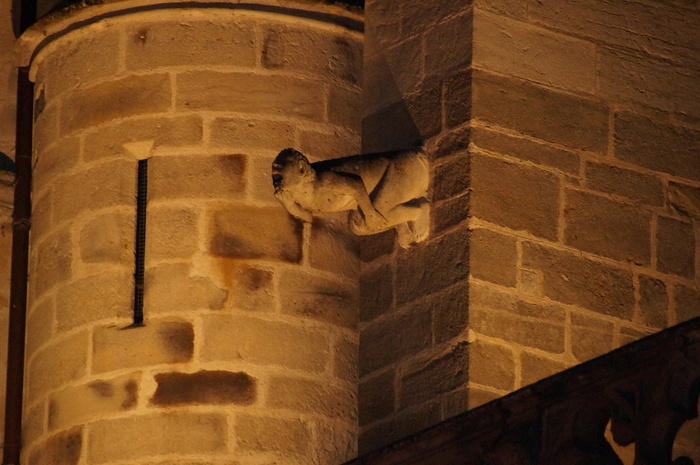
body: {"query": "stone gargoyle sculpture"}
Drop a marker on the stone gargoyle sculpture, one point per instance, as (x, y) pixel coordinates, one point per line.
(382, 190)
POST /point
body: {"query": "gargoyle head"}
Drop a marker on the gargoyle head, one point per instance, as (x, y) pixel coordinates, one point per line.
(289, 169)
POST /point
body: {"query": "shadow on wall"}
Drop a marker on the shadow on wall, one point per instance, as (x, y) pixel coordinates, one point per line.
(6, 163)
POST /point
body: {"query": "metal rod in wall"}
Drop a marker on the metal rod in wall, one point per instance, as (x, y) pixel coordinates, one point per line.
(140, 248)
(21, 216)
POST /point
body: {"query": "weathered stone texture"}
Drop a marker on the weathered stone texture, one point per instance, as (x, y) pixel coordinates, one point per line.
(377, 397)
(195, 176)
(172, 232)
(516, 196)
(242, 133)
(40, 326)
(56, 364)
(342, 108)
(636, 186)
(491, 365)
(687, 302)
(253, 289)
(109, 238)
(451, 178)
(590, 337)
(404, 423)
(312, 397)
(604, 227)
(55, 256)
(55, 161)
(512, 8)
(292, 437)
(653, 302)
(450, 309)
(440, 375)
(177, 288)
(63, 448)
(493, 257)
(675, 247)
(534, 368)
(575, 280)
(333, 248)
(204, 387)
(376, 292)
(450, 45)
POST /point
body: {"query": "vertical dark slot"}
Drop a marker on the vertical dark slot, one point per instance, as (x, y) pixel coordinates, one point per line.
(140, 254)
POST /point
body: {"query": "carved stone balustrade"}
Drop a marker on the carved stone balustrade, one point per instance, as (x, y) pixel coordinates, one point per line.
(646, 391)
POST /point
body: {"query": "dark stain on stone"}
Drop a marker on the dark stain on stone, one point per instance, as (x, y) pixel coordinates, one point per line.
(178, 338)
(204, 387)
(53, 412)
(39, 104)
(233, 165)
(273, 51)
(348, 59)
(131, 389)
(102, 388)
(254, 279)
(61, 449)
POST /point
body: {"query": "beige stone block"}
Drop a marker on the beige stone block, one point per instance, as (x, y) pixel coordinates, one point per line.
(159, 342)
(109, 238)
(376, 292)
(40, 325)
(34, 423)
(493, 257)
(54, 257)
(653, 302)
(519, 49)
(626, 183)
(333, 248)
(172, 232)
(252, 134)
(252, 288)
(312, 397)
(687, 300)
(106, 295)
(176, 288)
(376, 397)
(106, 185)
(340, 442)
(215, 387)
(165, 132)
(344, 109)
(197, 176)
(314, 52)
(318, 298)
(491, 365)
(346, 361)
(534, 368)
(246, 339)
(45, 130)
(539, 333)
(572, 279)
(540, 112)
(57, 160)
(130, 96)
(42, 214)
(248, 93)
(605, 227)
(64, 448)
(259, 176)
(235, 233)
(657, 145)
(56, 364)
(96, 399)
(515, 196)
(675, 247)
(289, 437)
(590, 337)
(512, 8)
(189, 42)
(322, 146)
(448, 45)
(156, 434)
(477, 397)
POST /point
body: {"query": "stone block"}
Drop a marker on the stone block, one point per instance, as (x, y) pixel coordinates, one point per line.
(451, 177)
(425, 109)
(401, 425)
(418, 16)
(590, 336)
(96, 399)
(313, 52)
(109, 238)
(339, 442)
(189, 42)
(235, 233)
(376, 292)
(629, 334)
(393, 338)
(450, 213)
(156, 434)
(333, 248)
(636, 186)
(526, 149)
(376, 397)
(515, 48)
(377, 245)
(343, 109)
(675, 247)
(512, 8)
(493, 257)
(684, 91)
(687, 300)
(197, 176)
(107, 295)
(165, 226)
(540, 112)
(101, 103)
(56, 257)
(450, 310)
(105, 185)
(657, 145)
(175, 288)
(246, 339)
(34, 423)
(253, 288)
(394, 126)
(56, 364)
(251, 93)
(40, 326)
(159, 342)
(431, 266)
(312, 397)
(448, 45)
(64, 448)
(45, 130)
(307, 295)
(251, 134)
(477, 396)
(515, 196)
(165, 132)
(324, 145)
(436, 377)
(59, 159)
(605, 227)
(204, 387)
(653, 302)
(78, 63)
(571, 279)
(684, 199)
(290, 437)
(534, 368)
(404, 62)
(345, 360)
(491, 365)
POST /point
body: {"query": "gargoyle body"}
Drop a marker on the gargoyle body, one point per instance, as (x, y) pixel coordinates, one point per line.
(383, 190)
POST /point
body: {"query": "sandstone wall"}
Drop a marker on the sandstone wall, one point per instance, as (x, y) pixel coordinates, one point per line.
(249, 349)
(565, 195)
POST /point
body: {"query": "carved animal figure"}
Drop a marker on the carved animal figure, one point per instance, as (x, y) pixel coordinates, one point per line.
(383, 190)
